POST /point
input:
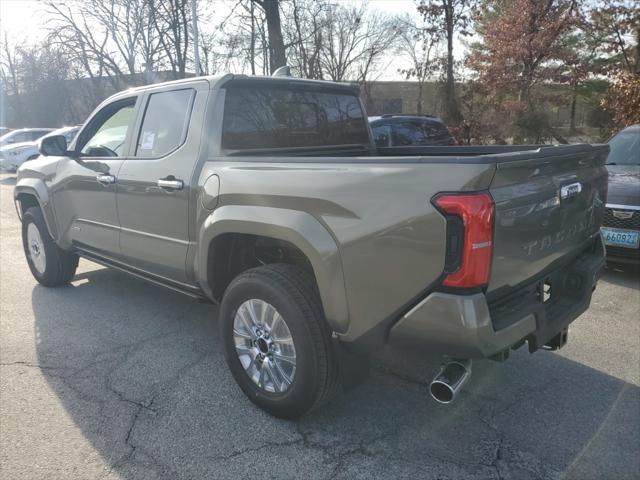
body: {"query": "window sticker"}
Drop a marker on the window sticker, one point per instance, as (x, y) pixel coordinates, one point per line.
(148, 139)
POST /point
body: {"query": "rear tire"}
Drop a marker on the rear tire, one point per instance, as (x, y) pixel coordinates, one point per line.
(49, 264)
(293, 295)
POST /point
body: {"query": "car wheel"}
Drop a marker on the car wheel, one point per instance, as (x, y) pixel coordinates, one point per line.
(277, 342)
(49, 264)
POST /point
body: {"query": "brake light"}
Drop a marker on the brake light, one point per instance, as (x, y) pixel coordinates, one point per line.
(476, 212)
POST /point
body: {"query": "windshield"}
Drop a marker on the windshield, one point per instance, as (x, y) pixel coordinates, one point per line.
(625, 149)
(69, 133)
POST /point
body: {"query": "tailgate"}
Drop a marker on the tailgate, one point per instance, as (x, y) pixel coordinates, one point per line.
(549, 203)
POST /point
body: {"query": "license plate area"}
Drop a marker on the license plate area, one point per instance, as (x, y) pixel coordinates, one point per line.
(619, 237)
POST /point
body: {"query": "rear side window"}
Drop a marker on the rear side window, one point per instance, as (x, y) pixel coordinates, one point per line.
(257, 117)
(420, 133)
(20, 137)
(36, 134)
(165, 123)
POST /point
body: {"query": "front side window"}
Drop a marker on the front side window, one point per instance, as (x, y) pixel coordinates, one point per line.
(165, 123)
(36, 134)
(259, 117)
(110, 132)
(382, 135)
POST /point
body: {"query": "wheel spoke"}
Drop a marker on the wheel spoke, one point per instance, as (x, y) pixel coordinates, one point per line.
(269, 374)
(264, 309)
(251, 364)
(267, 317)
(261, 377)
(281, 372)
(243, 334)
(286, 358)
(252, 313)
(244, 350)
(277, 321)
(246, 322)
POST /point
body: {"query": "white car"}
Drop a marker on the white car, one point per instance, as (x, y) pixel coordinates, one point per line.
(14, 153)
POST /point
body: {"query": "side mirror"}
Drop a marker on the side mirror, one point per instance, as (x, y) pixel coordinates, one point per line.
(54, 145)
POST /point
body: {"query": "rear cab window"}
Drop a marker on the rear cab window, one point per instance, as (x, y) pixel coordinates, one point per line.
(165, 123)
(260, 117)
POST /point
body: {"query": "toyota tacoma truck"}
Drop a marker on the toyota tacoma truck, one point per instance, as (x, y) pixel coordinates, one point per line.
(268, 196)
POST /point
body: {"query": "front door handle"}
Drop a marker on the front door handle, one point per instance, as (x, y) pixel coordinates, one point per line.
(106, 179)
(170, 183)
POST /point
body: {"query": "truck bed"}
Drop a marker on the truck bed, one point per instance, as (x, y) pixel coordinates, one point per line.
(379, 209)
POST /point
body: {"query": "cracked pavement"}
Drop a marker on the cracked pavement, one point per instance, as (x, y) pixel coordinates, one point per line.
(113, 378)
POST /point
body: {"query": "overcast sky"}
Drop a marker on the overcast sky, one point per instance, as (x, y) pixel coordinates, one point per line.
(23, 21)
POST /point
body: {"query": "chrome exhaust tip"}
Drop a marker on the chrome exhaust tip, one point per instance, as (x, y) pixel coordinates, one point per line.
(450, 380)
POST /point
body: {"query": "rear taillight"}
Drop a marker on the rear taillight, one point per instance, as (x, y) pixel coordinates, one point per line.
(473, 263)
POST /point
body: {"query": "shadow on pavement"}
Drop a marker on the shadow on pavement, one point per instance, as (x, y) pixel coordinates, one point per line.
(141, 372)
(622, 274)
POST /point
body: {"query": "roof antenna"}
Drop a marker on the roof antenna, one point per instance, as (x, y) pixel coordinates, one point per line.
(284, 71)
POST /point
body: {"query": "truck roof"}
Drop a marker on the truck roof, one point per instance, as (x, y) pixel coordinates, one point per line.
(218, 81)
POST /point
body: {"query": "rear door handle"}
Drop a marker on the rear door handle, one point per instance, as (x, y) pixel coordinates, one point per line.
(106, 179)
(170, 183)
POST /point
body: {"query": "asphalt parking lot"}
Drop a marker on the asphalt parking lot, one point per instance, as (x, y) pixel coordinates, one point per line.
(114, 378)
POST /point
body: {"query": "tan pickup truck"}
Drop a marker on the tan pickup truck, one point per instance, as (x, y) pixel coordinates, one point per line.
(267, 195)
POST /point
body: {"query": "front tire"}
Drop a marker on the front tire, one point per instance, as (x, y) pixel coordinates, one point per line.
(49, 264)
(277, 342)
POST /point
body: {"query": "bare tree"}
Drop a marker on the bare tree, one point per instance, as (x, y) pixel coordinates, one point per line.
(8, 67)
(303, 33)
(171, 21)
(277, 54)
(354, 41)
(419, 43)
(34, 85)
(85, 40)
(448, 18)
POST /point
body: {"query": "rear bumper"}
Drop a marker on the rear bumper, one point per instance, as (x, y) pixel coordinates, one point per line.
(467, 326)
(630, 256)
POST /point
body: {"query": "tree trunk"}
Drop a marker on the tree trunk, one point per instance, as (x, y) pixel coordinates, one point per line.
(277, 57)
(453, 112)
(574, 100)
(252, 52)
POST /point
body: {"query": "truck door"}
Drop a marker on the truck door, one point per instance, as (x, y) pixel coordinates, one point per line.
(85, 202)
(155, 182)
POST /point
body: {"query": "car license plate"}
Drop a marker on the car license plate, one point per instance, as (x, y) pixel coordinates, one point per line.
(617, 237)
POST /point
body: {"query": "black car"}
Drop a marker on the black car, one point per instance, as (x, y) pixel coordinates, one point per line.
(406, 130)
(621, 225)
